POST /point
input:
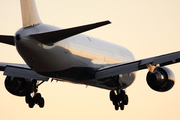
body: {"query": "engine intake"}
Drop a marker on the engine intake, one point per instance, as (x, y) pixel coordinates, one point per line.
(162, 79)
(18, 86)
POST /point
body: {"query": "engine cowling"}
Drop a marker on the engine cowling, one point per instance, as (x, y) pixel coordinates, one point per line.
(162, 79)
(17, 86)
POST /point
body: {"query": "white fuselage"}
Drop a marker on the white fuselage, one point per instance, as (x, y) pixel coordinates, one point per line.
(74, 59)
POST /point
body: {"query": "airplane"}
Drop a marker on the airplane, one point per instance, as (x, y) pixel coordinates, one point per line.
(67, 55)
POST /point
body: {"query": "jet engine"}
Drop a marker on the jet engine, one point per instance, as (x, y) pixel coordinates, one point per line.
(161, 79)
(18, 86)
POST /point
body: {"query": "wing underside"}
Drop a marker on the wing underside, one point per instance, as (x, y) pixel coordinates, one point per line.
(21, 71)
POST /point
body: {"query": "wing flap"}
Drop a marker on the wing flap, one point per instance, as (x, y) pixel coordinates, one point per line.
(20, 70)
(23, 73)
(118, 69)
(55, 36)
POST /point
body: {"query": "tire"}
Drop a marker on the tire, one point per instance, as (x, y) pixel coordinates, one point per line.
(31, 104)
(119, 97)
(37, 98)
(41, 102)
(122, 106)
(28, 98)
(38, 95)
(112, 95)
(116, 107)
(125, 100)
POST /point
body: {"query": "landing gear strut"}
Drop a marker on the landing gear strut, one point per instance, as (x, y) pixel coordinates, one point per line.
(119, 99)
(36, 98)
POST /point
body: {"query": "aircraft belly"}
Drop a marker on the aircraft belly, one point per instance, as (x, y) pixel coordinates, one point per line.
(123, 82)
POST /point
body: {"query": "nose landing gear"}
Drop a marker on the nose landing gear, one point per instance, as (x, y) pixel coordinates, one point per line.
(119, 99)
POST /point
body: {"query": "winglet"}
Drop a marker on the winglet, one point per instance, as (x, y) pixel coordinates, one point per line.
(55, 36)
(29, 12)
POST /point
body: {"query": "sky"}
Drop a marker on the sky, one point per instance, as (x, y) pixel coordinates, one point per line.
(146, 27)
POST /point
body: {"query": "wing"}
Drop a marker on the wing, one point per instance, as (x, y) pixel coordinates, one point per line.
(21, 71)
(129, 67)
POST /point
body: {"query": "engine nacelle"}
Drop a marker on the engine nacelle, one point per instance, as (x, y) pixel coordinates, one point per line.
(162, 79)
(18, 86)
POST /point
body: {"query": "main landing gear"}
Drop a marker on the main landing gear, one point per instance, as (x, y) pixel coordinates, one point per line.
(36, 98)
(119, 99)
